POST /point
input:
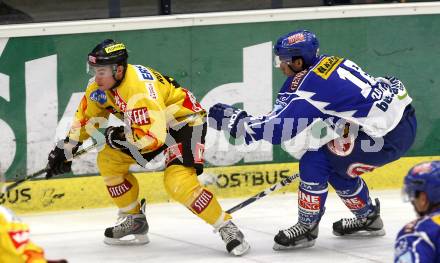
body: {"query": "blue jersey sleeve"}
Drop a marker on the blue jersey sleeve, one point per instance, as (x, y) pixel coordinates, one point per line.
(284, 122)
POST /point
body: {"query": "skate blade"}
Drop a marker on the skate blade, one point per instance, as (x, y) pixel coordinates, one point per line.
(129, 240)
(306, 244)
(362, 234)
(241, 249)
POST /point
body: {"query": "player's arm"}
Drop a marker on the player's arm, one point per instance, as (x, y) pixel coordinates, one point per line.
(279, 125)
(86, 120)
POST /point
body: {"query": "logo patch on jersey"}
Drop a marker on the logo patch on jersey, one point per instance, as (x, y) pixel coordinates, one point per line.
(326, 67)
(151, 90)
(139, 116)
(293, 39)
(309, 202)
(191, 102)
(200, 152)
(436, 219)
(202, 201)
(98, 96)
(354, 203)
(114, 48)
(410, 227)
(342, 146)
(297, 80)
(19, 238)
(143, 73)
(357, 169)
(122, 105)
(173, 152)
(120, 189)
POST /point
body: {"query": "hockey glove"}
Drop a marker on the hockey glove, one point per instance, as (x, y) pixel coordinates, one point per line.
(115, 136)
(225, 117)
(57, 160)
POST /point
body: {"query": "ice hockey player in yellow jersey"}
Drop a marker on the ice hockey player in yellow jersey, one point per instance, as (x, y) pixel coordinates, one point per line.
(15, 245)
(159, 115)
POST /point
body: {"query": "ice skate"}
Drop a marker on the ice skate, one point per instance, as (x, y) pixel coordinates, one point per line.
(233, 238)
(372, 225)
(297, 236)
(130, 229)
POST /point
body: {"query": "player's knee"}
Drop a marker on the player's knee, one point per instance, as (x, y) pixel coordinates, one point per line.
(113, 180)
(181, 183)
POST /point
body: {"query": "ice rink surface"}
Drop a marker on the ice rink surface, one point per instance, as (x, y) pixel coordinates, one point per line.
(176, 235)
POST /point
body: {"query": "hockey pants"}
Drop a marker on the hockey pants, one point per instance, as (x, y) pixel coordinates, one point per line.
(180, 182)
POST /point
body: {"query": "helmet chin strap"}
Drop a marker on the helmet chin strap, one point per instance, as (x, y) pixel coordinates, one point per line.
(296, 71)
(290, 66)
(118, 82)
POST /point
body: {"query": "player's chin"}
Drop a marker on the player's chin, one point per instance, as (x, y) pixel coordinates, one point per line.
(289, 73)
(103, 87)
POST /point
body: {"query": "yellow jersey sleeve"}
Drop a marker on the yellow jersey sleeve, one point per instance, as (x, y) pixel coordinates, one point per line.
(90, 113)
(15, 245)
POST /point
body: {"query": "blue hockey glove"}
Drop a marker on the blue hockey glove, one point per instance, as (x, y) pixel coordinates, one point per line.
(225, 117)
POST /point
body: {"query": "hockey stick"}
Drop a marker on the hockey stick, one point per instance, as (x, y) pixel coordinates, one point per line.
(273, 188)
(42, 171)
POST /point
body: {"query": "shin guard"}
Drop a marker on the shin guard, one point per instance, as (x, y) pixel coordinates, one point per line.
(183, 186)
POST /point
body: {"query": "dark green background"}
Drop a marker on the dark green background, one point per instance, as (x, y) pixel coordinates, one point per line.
(202, 58)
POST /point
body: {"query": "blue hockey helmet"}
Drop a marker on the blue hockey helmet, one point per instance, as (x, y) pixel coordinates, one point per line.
(424, 177)
(301, 43)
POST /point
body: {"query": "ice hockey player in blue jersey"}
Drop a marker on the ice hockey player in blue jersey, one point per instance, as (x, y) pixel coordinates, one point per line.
(340, 122)
(419, 240)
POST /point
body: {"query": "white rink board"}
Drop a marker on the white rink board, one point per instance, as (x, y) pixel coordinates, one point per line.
(178, 236)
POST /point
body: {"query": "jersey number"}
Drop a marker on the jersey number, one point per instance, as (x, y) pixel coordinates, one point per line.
(364, 81)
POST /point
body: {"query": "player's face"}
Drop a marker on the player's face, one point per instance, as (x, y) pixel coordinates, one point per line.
(421, 203)
(286, 68)
(103, 76)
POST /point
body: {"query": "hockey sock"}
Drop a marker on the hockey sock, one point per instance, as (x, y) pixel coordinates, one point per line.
(311, 201)
(182, 185)
(355, 195)
(124, 191)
